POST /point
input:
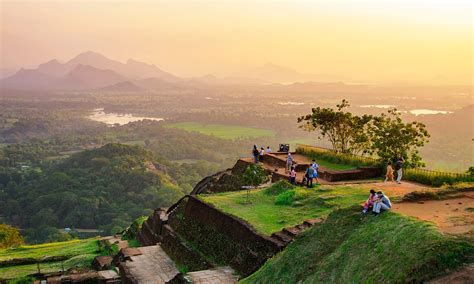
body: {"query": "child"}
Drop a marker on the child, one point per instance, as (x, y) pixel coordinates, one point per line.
(389, 174)
(262, 152)
(370, 201)
(293, 176)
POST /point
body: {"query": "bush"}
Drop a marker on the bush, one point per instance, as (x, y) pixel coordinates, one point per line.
(285, 198)
(278, 187)
(131, 232)
(435, 178)
(9, 237)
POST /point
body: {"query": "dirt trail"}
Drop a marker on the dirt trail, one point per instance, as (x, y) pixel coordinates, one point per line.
(452, 216)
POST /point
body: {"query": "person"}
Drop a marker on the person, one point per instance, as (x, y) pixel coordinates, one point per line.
(293, 176)
(370, 201)
(315, 166)
(382, 202)
(309, 176)
(255, 154)
(389, 174)
(262, 152)
(289, 163)
(399, 169)
(268, 149)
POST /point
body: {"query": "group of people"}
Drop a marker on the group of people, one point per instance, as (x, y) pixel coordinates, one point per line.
(258, 154)
(389, 176)
(377, 201)
(311, 172)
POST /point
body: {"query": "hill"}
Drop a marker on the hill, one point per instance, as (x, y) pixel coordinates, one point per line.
(121, 87)
(349, 249)
(104, 188)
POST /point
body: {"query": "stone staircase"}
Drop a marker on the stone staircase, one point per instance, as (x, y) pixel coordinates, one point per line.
(287, 235)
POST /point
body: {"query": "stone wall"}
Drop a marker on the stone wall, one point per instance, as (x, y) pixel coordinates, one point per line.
(222, 238)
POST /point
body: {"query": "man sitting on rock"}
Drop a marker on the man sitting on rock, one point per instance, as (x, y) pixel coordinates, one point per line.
(382, 202)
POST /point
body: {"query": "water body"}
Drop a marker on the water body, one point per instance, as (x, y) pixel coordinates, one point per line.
(112, 119)
(291, 103)
(416, 112)
(428, 111)
(377, 106)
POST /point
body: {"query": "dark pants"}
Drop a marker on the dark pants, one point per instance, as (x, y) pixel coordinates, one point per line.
(309, 181)
(293, 180)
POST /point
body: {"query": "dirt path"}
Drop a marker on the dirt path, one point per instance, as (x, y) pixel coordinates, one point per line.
(452, 216)
(394, 189)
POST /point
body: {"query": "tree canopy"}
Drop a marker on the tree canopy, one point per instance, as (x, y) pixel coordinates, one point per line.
(385, 136)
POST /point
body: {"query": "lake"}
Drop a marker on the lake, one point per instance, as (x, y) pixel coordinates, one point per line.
(428, 111)
(112, 119)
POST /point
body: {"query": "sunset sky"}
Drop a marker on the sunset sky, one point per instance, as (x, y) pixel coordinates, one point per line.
(367, 41)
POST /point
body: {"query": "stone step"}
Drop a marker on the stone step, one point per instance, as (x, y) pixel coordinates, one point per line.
(219, 275)
(292, 231)
(281, 236)
(148, 264)
(311, 222)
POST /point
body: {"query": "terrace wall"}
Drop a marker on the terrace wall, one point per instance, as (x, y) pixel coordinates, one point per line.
(221, 237)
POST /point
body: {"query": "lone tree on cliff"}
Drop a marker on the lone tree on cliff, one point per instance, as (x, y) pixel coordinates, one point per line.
(253, 176)
(385, 136)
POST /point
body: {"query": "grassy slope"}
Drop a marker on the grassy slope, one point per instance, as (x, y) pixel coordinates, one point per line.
(223, 131)
(82, 252)
(69, 248)
(11, 272)
(350, 249)
(267, 217)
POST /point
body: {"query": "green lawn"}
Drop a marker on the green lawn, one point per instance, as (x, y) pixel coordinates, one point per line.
(347, 248)
(69, 248)
(223, 131)
(334, 166)
(296, 206)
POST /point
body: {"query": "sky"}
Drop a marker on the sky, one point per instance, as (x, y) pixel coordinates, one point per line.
(369, 41)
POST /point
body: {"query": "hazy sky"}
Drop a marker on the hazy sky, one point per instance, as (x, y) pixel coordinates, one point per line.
(377, 41)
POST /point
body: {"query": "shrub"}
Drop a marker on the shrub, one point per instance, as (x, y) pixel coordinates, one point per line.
(132, 231)
(278, 187)
(435, 178)
(9, 237)
(285, 198)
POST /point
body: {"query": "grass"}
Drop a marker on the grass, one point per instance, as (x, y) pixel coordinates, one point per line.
(277, 207)
(347, 248)
(230, 132)
(333, 166)
(80, 253)
(318, 153)
(18, 271)
(69, 248)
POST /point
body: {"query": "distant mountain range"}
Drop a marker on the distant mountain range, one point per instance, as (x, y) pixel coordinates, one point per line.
(91, 71)
(87, 71)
